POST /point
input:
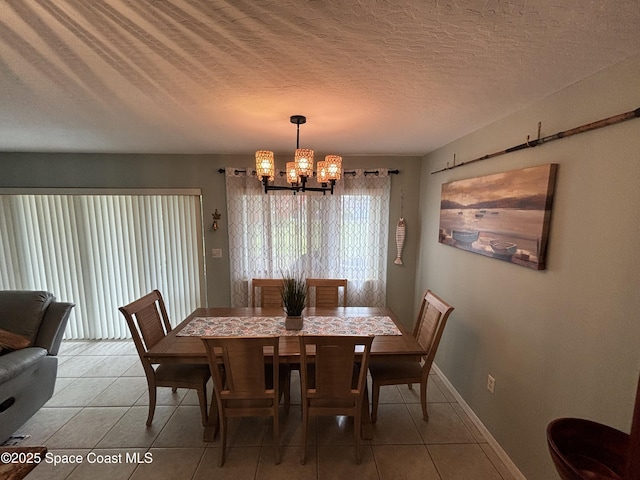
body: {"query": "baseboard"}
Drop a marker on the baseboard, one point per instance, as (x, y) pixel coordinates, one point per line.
(493, 443)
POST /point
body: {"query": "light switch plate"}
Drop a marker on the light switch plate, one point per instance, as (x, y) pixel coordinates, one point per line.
(216, 252)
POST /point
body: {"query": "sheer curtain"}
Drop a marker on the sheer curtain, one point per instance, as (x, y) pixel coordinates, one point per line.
(103, 251)
(332, 236)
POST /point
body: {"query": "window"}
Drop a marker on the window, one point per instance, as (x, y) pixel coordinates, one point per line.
(334, 236)
(103, 251)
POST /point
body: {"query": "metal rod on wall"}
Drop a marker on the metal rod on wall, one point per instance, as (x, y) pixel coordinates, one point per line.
(539, 141)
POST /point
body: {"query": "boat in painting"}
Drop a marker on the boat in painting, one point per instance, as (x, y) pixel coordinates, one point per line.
(465, 236)
(503, 248)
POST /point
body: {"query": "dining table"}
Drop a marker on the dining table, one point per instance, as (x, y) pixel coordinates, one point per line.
(392, 341)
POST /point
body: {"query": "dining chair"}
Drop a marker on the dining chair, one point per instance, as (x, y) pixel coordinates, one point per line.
(270, 292)
(432, 319)
(253, 381)
(325, 291)
(148, 322)
(333, 378)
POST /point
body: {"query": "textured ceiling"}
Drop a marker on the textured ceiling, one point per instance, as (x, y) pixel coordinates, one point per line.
(223, 76)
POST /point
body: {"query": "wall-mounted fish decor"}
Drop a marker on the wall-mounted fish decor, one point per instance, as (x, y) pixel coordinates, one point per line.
(401, 233)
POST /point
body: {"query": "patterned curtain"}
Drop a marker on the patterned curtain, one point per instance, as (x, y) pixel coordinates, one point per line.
(343, 235)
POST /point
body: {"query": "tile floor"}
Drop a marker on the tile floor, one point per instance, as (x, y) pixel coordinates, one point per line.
(99, 410)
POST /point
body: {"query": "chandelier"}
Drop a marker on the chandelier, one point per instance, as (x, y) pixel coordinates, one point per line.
(299, 171)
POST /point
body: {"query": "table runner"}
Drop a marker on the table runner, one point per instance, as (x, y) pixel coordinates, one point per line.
(313, 325)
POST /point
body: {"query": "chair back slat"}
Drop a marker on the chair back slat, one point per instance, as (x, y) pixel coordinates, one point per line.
(150, 325)
(147, 320)
(434, 313)
(243, 359)
(335, 377)
(270, 292)
(335, 364)
(326, 292)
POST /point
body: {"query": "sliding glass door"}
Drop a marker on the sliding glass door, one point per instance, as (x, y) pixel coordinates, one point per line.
(103, 250)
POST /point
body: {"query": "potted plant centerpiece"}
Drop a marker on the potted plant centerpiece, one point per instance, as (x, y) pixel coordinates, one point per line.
(294, 299)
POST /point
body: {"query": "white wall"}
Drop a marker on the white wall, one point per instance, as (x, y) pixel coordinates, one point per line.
(564, 341)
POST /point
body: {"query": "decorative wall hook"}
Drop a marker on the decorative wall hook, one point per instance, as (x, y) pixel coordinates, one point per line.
(216, 216)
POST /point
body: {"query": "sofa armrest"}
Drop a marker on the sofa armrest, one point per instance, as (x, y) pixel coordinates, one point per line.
(52, 328)
(13, 363)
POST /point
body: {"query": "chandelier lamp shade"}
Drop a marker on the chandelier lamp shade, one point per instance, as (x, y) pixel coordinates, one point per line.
(301, 169)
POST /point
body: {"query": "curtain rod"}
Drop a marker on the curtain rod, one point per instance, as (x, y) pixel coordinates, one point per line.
(346, 172)
(556, 136)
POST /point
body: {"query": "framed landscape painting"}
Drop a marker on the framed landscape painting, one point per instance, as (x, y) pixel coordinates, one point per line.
(504, 216)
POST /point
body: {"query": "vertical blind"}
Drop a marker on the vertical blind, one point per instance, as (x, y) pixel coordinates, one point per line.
(104, 251)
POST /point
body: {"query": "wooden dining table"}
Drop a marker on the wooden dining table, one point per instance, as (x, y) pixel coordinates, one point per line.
(179, 348)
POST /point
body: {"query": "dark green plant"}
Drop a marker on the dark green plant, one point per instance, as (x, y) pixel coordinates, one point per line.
(294, 294)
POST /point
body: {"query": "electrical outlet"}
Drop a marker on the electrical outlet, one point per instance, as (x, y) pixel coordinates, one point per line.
(216, 252)
(491, 384)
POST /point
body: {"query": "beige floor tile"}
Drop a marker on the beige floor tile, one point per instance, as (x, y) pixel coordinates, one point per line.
(58, 464)
(462, 462)
(241, 463)
(62, 382)
(128, 348)
(404, 462)
(336, 430)
(74, 347)
(434, 394)
(123, 392)
(443, 388)
(477, 434)
(191, 398)
(63, 358)
(245, 431)
(132, 431)
(444, 425)
(170, 464)
(107, 464)
(183, 429)
(395, 426)
(80, 392)
(78, 365)
(388, 393)
(108, 347)
(295, 388)
(164, 396)
(44, 423)
(291, 428)
(337, 462)
(87, 428)
(136, 370)
(112, 366)
(289, 466)
(495, 460)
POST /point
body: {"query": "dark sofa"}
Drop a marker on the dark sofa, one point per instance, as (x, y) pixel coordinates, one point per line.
(29, 365)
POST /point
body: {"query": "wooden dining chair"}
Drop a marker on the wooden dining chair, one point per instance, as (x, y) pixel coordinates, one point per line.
(325, 291)
(253, 381)
(148, 322)
(432, 319)
(333, 376)
(270, 292)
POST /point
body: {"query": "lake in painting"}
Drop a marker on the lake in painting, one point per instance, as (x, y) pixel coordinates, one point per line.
(504, 216)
